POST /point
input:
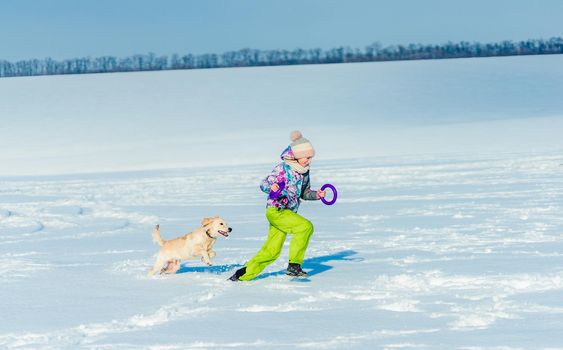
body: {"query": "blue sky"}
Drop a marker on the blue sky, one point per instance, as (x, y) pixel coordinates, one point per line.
(72, 28)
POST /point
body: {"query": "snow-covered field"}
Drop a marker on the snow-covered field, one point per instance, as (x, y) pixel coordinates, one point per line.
(447, 233)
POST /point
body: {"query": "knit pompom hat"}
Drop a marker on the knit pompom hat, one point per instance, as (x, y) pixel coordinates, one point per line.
(300, 146)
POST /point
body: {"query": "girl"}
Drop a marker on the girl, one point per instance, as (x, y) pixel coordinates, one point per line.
(281, 211)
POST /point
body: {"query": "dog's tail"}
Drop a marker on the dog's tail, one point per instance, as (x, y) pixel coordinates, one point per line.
(156, 238)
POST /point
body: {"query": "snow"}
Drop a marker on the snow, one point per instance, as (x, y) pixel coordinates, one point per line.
(446, 233)
(155, 120)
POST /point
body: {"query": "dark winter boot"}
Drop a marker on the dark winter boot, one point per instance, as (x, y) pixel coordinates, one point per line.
(238, 273)
(295, 270)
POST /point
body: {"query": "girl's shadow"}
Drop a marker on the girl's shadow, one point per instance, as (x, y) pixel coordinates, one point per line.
(314, 266)
(317, 265)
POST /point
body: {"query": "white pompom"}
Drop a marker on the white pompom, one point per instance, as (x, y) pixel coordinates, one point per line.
(295, 135)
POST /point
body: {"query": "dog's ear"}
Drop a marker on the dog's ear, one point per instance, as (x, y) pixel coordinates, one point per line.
(206, 221)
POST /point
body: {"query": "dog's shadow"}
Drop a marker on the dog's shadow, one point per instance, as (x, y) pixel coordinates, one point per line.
(313, 266)
(214, 269)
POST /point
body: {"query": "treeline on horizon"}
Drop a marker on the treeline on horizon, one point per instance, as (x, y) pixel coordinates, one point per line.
(257, 58)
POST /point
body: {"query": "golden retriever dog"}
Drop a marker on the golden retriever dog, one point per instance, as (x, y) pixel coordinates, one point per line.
(198, 243)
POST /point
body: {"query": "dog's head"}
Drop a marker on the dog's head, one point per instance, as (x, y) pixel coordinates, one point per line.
(216, 227)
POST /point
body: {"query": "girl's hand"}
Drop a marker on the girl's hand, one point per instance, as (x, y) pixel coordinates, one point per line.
(274, 188)
(321, 194)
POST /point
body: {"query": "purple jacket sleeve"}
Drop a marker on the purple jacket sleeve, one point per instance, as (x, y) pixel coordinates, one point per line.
(271, 179)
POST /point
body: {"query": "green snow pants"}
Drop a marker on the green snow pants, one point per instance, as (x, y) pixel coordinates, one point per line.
(282, 222)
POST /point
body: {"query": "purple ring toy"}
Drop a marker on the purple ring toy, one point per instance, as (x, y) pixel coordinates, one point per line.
(276, 194)
(335, 194)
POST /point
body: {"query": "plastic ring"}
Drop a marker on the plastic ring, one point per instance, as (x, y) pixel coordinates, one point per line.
(276, 194)
(335, 194)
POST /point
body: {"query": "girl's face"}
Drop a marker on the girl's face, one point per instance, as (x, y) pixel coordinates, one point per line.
(304, 161)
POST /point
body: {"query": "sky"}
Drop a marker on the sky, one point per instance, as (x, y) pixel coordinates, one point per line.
(68, 28)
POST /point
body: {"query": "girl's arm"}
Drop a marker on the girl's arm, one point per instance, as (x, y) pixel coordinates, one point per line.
(307, 193)
(271, 179)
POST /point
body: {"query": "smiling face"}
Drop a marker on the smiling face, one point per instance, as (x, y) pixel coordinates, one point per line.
(304, 161)
(216, 227)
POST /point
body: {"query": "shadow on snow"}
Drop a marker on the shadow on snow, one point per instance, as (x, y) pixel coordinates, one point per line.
(316, 265)
(313, 266)
(215, 269)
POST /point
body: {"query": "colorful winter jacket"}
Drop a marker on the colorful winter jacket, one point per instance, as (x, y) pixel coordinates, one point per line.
(297, 186)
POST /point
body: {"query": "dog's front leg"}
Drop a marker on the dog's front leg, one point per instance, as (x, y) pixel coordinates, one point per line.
(205, 258)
